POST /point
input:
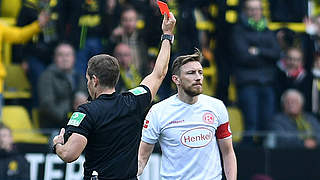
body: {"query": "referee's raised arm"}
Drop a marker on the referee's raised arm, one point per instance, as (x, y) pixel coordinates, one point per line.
(154, 80)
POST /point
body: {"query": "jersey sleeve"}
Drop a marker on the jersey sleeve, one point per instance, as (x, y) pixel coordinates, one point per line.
(151, 128)
(223, 130)
(142, 95)
(80, 122)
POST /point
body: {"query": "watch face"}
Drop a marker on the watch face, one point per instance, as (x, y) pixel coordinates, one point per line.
(167, 36)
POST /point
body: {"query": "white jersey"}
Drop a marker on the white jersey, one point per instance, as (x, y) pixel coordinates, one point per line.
(188, 137)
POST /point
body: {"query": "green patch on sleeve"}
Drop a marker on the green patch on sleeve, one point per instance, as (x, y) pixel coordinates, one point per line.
(138, 91)
(76, 118)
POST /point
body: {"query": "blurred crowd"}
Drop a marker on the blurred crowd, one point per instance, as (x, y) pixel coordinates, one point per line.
(276, 73)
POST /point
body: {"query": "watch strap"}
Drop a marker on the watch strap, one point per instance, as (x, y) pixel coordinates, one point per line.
(168, 37)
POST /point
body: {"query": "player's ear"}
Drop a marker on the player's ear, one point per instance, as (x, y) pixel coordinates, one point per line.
(176, 79)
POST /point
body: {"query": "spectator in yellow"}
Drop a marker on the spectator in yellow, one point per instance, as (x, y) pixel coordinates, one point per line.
(18, 35)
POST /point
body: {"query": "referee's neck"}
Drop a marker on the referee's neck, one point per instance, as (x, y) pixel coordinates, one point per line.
(105, 91)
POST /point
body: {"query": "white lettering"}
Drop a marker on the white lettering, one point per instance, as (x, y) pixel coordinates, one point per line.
(34, 160)
(49, 171)
(74, 171)
(71, 173)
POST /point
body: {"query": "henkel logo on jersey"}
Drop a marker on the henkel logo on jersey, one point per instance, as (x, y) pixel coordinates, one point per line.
(208, 118)
(196, 137)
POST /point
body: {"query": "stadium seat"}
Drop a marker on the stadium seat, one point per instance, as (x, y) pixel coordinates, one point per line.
(18, 120)
(232, 2)
(236, 123)
(35, 118)
(16, 85)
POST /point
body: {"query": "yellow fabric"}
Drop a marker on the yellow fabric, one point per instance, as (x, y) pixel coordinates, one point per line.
(16, 35)
(232, 2)
(10, 8)
(297, 27)
(210, 74)
(236, 123)
(303, 127)
(16, 83)
(231, 16)
(318, 84)
(130, 82)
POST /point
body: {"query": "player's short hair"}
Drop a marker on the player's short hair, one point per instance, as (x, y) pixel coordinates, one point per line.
(106, 68)
(182, 60)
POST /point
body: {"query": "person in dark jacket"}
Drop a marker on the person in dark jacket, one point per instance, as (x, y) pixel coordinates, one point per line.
(294, 127)
(292, 74)
(13, 165)
(60, 89)
(37, 54)
(255, 53)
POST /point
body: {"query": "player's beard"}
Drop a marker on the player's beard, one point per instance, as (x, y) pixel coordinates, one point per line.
(192, 90)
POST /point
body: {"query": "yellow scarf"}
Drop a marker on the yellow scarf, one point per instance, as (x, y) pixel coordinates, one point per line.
(130, 78)
(303, 127)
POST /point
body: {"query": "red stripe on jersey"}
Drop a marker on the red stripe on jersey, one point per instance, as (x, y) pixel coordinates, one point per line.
(223, 131)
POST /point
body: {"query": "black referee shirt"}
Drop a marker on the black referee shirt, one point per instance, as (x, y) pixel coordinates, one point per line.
(112, 125)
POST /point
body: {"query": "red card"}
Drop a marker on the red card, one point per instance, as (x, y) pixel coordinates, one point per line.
(163, 8)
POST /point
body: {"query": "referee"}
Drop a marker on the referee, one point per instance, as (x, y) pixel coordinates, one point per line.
(108, 128)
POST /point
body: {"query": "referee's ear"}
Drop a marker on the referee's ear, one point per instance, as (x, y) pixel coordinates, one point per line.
(95, 80)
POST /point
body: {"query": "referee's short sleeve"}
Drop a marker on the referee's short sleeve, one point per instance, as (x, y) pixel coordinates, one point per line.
(80, 123)
(143, 96)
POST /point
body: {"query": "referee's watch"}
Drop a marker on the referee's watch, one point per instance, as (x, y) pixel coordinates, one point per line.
(168, 37)
(54, 150)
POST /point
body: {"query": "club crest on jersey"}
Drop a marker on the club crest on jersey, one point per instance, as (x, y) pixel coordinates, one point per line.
(146, 123)
(208, 118)
(196, 137)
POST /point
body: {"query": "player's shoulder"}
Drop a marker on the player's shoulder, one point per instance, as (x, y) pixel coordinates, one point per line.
(210, 99)
(165, 103)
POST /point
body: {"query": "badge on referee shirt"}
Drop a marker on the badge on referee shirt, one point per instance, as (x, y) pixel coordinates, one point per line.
(138, 91)
(76, 118)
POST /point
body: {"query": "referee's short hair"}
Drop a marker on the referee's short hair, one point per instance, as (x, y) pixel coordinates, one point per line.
(182, 60)
(106, 68)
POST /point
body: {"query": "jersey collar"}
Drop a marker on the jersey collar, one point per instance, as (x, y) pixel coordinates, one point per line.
(107, 96)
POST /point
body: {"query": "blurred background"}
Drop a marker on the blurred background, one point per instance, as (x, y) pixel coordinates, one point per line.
(260, 57)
